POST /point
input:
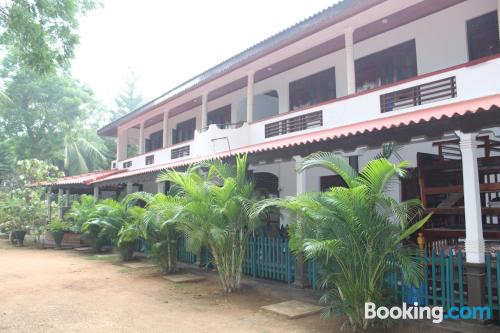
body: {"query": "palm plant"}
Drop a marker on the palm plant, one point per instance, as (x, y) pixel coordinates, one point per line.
(215, 213)
(157, 227)
(105, 224)
(355, 233)
(81, 211)
(83, 153)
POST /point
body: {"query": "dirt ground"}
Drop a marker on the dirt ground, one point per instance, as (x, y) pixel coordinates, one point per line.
(65, 291)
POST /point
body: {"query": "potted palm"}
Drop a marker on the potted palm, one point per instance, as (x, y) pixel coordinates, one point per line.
(58, 228)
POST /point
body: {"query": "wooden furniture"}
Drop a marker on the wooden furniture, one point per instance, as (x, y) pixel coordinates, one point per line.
(441, 192)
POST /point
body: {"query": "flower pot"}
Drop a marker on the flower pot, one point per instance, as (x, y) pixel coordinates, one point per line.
(58, 237)
(19, 237)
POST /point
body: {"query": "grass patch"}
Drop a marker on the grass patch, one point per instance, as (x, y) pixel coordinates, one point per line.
(103, 257)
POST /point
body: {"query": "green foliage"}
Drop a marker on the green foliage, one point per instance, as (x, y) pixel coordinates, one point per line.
(356, 234)
(81, 211)
(215, 213)
(47, 118)
(157, 226)
(107, 221)
(41, 35)
(25, 208)
(58, 225)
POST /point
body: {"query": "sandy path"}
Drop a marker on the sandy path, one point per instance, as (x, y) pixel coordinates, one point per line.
(62, 291)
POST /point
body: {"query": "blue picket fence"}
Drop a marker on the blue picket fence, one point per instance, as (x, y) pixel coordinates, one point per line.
(269, 258)
(445, 282)
(183, 254)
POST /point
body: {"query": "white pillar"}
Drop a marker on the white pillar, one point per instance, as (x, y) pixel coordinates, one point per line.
(60, 199)
(165, 129)
(49, 204)
(130, 188)
(301, 176)
(141, 138)
(250, 96)
(161, 187)
(96, 192)
(121, 144)
(349, 58)
(284, 99)
(66, 201)
(204, 110)
(474, 242)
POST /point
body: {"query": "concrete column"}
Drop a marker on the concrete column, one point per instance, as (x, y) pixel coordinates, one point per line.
(301, 280)
(66, 198)
(250, 82)
(141, 138)
(130, 188)
(161, 187)
(475, 269)
(121, 144)
(165, 129)
(204, 110)
(301, 176)
(349, 58)
(49, 204)
(284, 99)
(474, 242)
(60, 199)
(96, 192)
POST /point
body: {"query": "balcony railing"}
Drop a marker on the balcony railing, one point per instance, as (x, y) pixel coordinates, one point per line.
(179, 152)
(223, 126)
(295, 124)
(418, 95)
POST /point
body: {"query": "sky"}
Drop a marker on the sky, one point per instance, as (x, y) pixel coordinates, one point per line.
(167, 42)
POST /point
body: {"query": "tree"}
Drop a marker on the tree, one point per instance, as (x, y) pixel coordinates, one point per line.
(129, 98)
(157, 226)
(41, 35)
(47, 117)
(83, 152)
(216, 214)
(355, 233)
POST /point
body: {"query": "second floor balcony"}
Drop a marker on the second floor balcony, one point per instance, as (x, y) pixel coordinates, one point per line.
(439, 88)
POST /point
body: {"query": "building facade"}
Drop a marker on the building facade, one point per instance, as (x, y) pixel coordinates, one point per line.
(421, 74)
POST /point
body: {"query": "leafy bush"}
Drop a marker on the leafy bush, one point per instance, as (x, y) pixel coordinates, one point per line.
(356, 234)
(215, 213)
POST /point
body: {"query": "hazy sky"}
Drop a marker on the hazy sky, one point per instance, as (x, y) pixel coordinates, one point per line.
(167, 42)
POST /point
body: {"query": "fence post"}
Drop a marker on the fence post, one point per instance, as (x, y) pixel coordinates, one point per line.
(253, 256)
(288, 264)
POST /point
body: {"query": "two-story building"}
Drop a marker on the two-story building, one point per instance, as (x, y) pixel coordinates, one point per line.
(423, 74)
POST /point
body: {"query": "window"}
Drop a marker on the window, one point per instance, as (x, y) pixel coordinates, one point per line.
(220, 116)
(390, 65)
(312, 89)
(127, 164)
(184, 131)
(482, 36)
(150, 159)
(155, 141)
